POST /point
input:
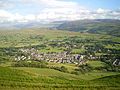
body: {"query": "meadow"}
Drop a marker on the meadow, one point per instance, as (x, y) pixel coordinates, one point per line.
(55, 41)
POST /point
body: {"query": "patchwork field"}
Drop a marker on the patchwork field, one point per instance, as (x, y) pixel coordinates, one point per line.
(96, 74)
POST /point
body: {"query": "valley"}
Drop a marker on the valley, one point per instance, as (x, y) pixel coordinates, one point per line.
(37, 59)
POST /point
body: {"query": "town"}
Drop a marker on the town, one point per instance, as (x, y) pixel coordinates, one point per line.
(61, 57)
(56, 57)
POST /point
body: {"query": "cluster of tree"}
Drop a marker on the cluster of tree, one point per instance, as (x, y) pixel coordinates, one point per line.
(36, 64)
(82, 69)
(109, 67)
(62, 69)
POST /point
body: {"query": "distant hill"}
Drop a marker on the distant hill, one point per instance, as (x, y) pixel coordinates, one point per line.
(97, 26)
(27, 25)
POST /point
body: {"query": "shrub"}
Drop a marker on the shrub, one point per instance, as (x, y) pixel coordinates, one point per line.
(84, 68)
(40, 64)
(62, 69)
(75, 72)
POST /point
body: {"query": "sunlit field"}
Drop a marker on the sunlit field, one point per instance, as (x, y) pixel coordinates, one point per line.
(51, 76)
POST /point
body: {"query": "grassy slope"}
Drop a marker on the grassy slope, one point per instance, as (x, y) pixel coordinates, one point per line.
(47, 78)
(36, 78)
(96, 64)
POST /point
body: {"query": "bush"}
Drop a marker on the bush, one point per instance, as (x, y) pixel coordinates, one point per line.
(84, 68)
(75, 72)
(40, 64)
(62, 69)
(112, 68)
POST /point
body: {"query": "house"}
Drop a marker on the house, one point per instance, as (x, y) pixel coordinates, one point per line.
(62, 57)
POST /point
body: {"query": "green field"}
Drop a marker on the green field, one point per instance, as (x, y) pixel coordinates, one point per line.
(99, 77)
(33, 78)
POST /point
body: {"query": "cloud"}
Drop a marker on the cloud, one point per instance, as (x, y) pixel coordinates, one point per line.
(62, 13)
(51, 10)
(101, 11)
(51, 3)
(55, 15)
(5, 4)
(60, 9)
(5, 16)
(54, 10)
(108, 14)
(67, 10)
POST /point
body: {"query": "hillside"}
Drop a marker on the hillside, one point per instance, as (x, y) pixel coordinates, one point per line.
(47, 79)
(97, 26)
(42, 59)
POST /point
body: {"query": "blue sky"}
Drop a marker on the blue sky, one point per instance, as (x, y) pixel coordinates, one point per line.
(94, 4)
(54, 10)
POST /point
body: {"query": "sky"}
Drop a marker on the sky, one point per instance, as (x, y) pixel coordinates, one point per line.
(57, 10)
(95, 4)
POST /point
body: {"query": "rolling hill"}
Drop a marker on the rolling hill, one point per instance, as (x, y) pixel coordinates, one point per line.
(97, 26)
(96, 75)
